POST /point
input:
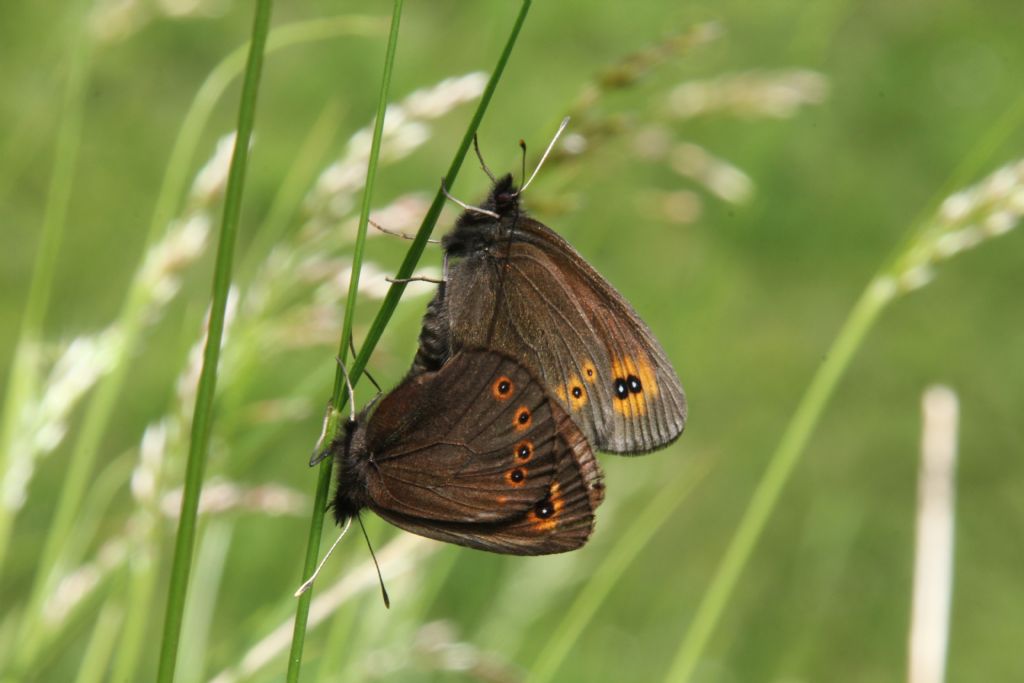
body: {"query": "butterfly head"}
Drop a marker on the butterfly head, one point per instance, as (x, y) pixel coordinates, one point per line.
(476, 230)
(504, 197)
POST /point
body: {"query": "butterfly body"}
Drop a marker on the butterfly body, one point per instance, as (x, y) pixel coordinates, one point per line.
(475, 453)
(515, 286)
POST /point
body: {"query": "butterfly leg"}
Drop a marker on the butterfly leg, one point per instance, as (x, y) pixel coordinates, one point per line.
(322, 449)
(352, 346)
(396, 233)
(407, 280)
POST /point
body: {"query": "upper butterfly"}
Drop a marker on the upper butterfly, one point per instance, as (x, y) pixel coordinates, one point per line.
(475, 453)
(513, 285)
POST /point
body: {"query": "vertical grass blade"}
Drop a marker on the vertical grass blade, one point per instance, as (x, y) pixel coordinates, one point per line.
(766, 495)
(380, 322)
(94, 664)
(626, 550)
(203, 415)
(371, 177)
(880, 291)
(337, 400)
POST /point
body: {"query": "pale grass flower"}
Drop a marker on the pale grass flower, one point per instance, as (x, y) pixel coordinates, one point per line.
(373, 283)
(152, 453)
(188, 380)
(915, 278)
(776, 94)
(44, 422)
(116, 20)
(964, 220)
(219, 497)
(434, 102)
(402, 215)
(403, 132)
(717, 175)
(129, 545)
(163, 264)
(399, 558)
(212, 179)
(78, 584)
(680, 206)
(438, 647)
(653, 142)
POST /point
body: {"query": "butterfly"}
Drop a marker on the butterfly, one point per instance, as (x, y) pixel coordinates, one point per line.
(475, 453)
(515, 286)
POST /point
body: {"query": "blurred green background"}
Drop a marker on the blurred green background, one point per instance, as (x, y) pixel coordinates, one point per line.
(743, 234)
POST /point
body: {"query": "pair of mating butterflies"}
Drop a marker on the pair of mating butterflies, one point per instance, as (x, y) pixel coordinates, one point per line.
(527, 360)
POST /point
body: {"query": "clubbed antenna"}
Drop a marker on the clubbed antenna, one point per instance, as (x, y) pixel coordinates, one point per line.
(483, 164)
(551, 145)
(383, 590)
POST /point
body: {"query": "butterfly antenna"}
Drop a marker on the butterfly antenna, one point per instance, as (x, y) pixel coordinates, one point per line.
(383, 590)
(352, 345)
(483, 164)
(309, 582)
(464, 205)
(351, 392)
(522, 162)
(551, 145)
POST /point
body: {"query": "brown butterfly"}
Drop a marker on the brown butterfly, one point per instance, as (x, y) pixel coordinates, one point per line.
(476, 453)
(514, 286)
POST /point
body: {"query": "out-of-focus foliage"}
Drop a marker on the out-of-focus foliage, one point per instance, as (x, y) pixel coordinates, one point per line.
(740, 171)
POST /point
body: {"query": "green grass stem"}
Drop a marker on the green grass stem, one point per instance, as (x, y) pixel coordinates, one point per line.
(613, 565)
(371, 177)
(784, 459)
(323, 484)
(380, 322)
(203, 415)
(766, 495)
(131, 319)
(94, 665)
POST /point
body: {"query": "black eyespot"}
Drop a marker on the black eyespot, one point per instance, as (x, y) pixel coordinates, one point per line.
(634, 384)
(524, 451)
(517, 475)
(544, 509)
(576, 392)
(590, 372)
(524, 417)
(621, 389)
(502, 388)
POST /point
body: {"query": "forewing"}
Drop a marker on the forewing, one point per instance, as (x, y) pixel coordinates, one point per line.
(538, 300)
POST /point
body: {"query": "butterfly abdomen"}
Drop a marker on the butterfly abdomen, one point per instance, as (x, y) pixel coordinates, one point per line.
(435, 337)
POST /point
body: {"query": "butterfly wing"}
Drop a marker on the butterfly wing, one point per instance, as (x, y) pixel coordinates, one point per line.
(536, 299)
(561, 520)
(476, 444)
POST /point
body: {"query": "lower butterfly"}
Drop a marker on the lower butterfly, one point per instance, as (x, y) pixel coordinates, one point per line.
(476, 453)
